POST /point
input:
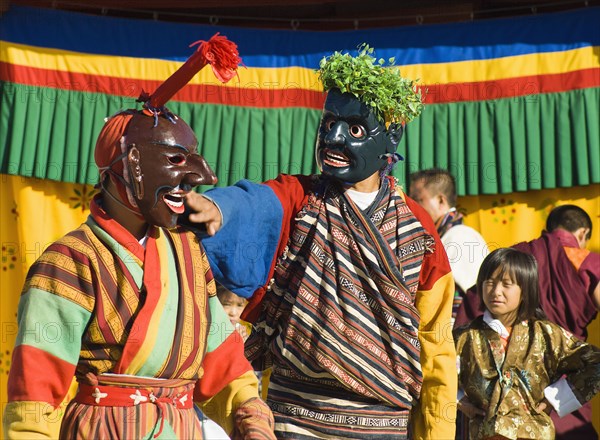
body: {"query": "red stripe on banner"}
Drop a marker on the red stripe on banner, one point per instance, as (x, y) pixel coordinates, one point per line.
(296, 97)
(511, 87)
(39, 376)
(132, 87)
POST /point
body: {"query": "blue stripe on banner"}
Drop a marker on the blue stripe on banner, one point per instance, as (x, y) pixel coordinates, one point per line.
(478, 40)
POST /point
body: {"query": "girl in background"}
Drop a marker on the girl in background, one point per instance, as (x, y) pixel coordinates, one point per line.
(515, 366)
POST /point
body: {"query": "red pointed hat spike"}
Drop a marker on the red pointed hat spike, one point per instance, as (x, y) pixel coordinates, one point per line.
(219, 52)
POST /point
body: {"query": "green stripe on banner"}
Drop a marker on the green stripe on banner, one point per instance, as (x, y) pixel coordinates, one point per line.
(50, 134)
(499, 146)
(537, 142)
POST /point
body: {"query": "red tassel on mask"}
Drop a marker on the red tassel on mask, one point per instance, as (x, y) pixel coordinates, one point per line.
(219, 52)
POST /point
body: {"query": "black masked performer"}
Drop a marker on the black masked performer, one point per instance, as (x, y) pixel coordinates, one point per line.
(354, 297)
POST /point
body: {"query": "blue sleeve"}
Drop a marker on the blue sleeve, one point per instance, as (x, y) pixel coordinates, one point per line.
(242, 252)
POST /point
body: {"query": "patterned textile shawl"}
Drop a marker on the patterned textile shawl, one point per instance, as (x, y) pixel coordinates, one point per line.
(340, 316)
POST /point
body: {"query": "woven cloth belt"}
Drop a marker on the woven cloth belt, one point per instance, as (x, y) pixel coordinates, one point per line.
(110, 395)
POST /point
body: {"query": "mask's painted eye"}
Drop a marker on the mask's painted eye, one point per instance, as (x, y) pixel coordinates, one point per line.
(177, 159)
(357, 131)
(329, 124)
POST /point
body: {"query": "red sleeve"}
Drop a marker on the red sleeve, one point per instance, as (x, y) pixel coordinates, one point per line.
(469, 309)
(36, 375)
(221, 366)
(435, 265)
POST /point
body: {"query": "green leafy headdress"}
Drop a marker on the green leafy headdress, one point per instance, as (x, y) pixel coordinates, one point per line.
(393, 98)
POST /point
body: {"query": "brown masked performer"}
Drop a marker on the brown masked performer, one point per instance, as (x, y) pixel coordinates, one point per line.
(132, 297)
(354, 297)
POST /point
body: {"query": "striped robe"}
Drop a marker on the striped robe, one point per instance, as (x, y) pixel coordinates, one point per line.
(358, 337)
(96, 302)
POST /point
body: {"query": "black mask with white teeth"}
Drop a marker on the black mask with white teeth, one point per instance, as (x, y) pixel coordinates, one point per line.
(353, 143)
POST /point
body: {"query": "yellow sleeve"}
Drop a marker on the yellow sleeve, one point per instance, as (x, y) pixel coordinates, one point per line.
(29, 420)
(265, 379)
(221, 407)
(434, 418)
(35, 420)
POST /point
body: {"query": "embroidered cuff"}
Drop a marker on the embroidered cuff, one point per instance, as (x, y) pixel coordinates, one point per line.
(561, 397)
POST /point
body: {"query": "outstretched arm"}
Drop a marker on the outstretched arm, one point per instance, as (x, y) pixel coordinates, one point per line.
(253, 222)
(247, 217)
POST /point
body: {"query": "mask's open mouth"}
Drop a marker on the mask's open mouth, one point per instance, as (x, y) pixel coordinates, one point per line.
(174, 200)
(335, 159)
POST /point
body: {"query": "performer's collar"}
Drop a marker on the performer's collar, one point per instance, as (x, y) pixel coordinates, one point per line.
(116, 230)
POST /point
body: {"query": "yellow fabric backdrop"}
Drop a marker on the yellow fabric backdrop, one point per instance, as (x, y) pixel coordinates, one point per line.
(34, 213)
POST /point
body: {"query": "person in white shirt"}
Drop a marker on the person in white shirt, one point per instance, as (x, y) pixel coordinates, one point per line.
(435, 190)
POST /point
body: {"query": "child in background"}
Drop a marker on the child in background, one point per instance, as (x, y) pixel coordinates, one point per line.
(515, 366)
(234, 306)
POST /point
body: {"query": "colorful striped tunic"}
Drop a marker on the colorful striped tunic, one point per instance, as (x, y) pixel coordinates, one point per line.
(96, 302)
(356, 320)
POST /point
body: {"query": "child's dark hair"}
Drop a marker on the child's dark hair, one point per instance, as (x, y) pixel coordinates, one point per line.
(222, 290)
(523, 271)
